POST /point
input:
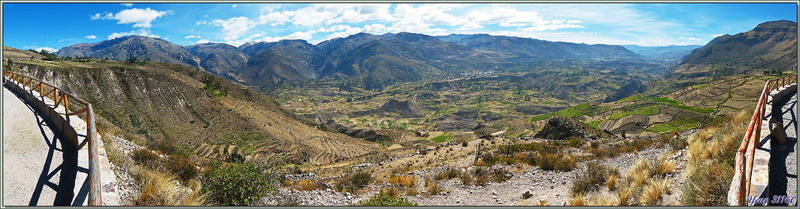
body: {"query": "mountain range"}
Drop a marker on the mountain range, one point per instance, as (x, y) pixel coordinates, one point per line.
(370, 61)
(770, 46)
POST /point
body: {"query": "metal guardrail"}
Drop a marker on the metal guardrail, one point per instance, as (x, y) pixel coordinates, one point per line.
(746, 152)
(60, 96)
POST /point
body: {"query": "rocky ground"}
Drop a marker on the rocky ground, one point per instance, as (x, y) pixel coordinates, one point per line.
(128, 188)
(550, 186)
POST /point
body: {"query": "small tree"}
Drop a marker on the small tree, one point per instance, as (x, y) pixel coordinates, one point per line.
(132, 59)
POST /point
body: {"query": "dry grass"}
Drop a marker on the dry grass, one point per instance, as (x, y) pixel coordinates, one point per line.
(307, 185)
(161, 189)
(624, 196)
(611, 182)
(391, 191)
(433, 187)
(604, 200)
(651, 194)
(709, 165)
(594, 176)
(637, 178)
(577, 200)
(542, 203)
(403, 181)
(664, 166)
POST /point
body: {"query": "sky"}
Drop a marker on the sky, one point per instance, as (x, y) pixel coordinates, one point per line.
(47, 26)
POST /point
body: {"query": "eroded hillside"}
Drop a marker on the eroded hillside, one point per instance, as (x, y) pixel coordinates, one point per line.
(183, 110)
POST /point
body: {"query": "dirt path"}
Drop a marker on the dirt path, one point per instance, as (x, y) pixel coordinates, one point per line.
(30, 155)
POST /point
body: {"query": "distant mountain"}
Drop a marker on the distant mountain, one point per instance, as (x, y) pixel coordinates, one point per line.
(366, 60)
(284, 61)
(770, 45)
(527, 48)
(663, 52)
(218, 58)
(141, 47)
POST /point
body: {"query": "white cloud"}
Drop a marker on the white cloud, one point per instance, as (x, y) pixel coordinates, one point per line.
(202, 41)
(716, 35)
(317, 14)
(234, 27)
(363, 12)
(91, 37)
(275, 18)
(234, 6)
(140, 32)
(49, 49)
(344, 30)
(127, 4)
(420, 19)
(141, 17)
(191, 36)
(304, 35)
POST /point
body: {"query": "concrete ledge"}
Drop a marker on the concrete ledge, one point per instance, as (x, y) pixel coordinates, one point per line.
(760, 172)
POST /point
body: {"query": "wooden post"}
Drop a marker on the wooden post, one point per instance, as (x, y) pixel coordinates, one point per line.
(55, 97)
(66, 106)
(95, 196)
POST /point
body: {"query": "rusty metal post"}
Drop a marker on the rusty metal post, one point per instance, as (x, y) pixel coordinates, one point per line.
(95, 198)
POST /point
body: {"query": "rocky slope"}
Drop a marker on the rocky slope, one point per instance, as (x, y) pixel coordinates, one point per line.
(561, 128)
(175, 108)
(141, 47)
(769, 46)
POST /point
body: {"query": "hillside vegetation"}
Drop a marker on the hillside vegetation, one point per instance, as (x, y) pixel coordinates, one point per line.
(177, 109)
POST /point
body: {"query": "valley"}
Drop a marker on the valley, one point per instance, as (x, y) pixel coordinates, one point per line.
(429, 120)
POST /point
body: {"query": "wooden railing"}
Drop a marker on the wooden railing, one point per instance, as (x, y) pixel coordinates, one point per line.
(746, 152)
(62, 97)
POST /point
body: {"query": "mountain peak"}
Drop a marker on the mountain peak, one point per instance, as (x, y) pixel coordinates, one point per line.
(776, 24)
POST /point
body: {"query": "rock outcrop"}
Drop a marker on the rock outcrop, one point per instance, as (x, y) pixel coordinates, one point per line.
(562, 128)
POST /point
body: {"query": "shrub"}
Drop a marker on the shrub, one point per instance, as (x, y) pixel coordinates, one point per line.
(385, 200)
(593, 177)
(403, 181)
(307, 185)
(182, 167)
(466, 178)
(354, 182)
(391, 191)
(159, 189)
(412, 191)
(146, 157)
(238, 184)
(433, 187)
(560, 162)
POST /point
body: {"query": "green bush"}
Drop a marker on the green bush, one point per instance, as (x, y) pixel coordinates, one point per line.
(354, 182)
(238, 184)
(386, 200)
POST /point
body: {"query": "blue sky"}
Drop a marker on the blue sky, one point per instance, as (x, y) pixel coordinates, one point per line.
(47, 26)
